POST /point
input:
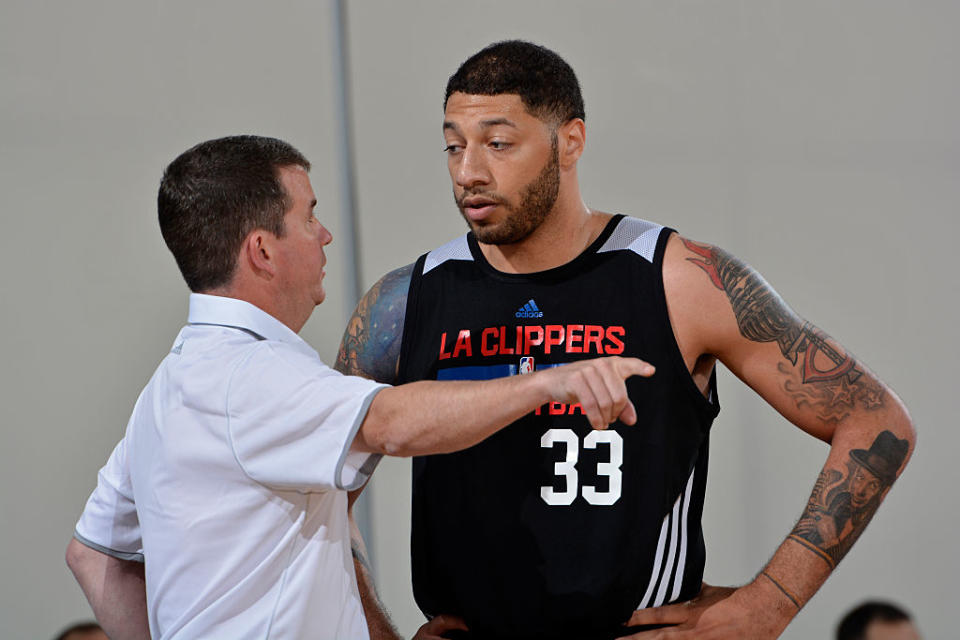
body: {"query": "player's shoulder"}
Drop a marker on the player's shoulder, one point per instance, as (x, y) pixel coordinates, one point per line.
(372, 339)
(692, 263)
(396, 281)
(696, 264)
(388, 296)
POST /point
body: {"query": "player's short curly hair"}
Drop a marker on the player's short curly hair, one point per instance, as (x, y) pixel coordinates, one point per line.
(544, 81)
(214, 194)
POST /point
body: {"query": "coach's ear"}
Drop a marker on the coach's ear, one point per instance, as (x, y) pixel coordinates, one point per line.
(257, 252)
(571, 138)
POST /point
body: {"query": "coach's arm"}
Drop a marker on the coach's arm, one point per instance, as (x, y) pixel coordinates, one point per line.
(115, 589)
(721, 308)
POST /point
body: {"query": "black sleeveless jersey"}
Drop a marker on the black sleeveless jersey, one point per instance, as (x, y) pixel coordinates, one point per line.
(550, 529)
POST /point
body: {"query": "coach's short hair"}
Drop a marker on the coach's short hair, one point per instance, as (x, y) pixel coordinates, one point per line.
(545, 83)
(216, 193)
(854, 625)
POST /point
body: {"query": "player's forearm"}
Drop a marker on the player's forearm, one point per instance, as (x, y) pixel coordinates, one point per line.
(866, 457)
(439, 417)
(378, 622)
(115, 589)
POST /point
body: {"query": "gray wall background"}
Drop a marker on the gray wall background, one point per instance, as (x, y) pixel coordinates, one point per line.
(817, 140)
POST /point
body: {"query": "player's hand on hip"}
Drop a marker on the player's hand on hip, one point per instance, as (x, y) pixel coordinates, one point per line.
(436, 627)
(599, 386)
(717, 613)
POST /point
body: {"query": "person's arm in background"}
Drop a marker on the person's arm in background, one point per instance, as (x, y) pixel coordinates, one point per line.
(114, 588)
(720, 307)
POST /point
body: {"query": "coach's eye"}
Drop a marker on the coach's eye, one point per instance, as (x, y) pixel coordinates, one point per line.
(498, 145)
(452, 148)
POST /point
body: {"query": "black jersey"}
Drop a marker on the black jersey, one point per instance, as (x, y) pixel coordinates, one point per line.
(550, 529)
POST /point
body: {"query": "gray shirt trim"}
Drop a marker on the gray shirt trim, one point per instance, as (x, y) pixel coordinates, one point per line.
(372, 460)
(120, 555)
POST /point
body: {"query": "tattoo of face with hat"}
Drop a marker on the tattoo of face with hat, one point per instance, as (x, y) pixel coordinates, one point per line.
(842, 503)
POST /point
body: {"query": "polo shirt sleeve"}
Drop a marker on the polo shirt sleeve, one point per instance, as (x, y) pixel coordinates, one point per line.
(291, 420)
(109, 522)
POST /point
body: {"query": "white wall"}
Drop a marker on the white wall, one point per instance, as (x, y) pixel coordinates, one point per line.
(816, 140)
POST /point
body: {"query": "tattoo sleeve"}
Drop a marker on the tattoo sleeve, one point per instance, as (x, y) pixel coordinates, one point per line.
(843, 502)
(371, 342)
(816, 371)
(821, 377)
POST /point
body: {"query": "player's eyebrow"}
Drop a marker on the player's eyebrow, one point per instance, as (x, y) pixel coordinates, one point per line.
(484, 124)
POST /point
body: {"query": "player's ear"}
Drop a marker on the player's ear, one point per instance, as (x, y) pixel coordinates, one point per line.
(571, 138)
(257, 252)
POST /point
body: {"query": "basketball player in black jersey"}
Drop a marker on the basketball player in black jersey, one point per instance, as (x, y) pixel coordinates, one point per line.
(548, 531)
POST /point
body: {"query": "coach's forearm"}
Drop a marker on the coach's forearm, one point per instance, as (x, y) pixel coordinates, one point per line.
(439, 417)
(115, 589)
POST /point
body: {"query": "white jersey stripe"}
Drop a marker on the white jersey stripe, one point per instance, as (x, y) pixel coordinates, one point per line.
(657, 563)
(662, 573)
(668, 569)
(682, 564)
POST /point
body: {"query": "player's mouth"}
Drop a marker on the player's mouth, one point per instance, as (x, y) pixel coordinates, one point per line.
(478, 208)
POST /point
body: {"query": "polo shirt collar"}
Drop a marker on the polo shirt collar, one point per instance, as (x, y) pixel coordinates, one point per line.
(240, 314)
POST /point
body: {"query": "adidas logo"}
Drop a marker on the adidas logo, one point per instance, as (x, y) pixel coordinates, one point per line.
(529, 310)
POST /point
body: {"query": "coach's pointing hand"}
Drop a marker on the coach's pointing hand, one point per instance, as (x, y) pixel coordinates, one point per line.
(599, 386)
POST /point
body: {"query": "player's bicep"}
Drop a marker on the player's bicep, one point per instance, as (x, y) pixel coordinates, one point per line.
(371, 342)
(801, 371)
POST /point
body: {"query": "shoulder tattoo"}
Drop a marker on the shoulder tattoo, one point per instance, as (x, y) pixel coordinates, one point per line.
(371, 342)
(817, 370)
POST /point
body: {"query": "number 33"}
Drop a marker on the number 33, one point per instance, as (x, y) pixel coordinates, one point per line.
(567, 467)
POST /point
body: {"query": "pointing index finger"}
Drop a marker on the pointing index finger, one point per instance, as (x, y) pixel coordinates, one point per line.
(635, 367)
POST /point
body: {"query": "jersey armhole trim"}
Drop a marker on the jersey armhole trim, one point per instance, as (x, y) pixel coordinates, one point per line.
(708, 406)
(410, 318)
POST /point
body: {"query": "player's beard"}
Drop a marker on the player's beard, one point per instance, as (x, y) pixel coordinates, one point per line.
(536, 201)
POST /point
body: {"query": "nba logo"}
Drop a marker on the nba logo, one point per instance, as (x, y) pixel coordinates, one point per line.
(526, 365)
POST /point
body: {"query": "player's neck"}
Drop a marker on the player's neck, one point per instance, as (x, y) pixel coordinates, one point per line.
(570, 228)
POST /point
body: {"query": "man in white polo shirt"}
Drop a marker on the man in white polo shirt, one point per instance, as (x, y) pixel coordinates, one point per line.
(223, 513)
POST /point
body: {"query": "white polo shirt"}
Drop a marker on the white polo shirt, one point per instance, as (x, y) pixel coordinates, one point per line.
(231, 483)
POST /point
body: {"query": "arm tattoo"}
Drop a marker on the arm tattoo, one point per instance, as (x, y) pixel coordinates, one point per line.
(791, 597)
(821, 374)
(371, 341)
(842, 502)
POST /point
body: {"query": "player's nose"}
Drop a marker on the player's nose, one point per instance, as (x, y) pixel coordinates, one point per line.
(472, 170)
